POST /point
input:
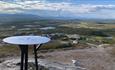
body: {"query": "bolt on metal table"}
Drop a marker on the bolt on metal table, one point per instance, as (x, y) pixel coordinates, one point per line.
(23, 42)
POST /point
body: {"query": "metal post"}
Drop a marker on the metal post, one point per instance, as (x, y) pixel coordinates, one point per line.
(26, 57)
(22, 57)
(35, 55)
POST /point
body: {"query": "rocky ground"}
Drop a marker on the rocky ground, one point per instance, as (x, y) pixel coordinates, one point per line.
(86, 59)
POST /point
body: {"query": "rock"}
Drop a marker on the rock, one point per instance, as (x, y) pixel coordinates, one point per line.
(31, 66)
(41, 57)
(76, 62)
(18, 64)
(52, 68)
(2, 60)
(43, 64)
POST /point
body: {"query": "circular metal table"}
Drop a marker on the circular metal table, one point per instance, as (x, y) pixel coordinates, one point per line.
(23, 42)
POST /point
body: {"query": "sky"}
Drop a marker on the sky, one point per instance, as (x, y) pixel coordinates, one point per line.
(104, 9)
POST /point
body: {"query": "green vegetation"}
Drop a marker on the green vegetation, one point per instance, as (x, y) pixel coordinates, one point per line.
(90, 25)
(89, 31)
(100, 40)
(55, 45)
(8, 50)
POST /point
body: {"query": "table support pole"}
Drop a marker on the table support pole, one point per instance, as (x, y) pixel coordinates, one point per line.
(35, 55)
(24, 57)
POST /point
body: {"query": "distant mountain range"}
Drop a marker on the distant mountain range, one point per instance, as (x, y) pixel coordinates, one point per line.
(10, 18)
(5, 18)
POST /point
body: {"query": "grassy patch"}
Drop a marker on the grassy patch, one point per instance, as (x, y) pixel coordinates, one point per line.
(55, 45)
(8, 50)
(99, 40)
(12, 50)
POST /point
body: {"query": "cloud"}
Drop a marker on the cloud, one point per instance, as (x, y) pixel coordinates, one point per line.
(31, 6)
(63, 6)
